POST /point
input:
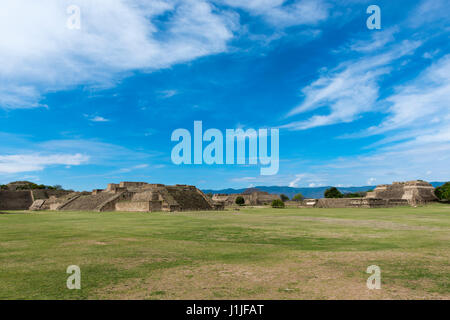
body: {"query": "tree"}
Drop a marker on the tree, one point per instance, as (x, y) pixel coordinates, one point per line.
(298, 197)
(284, 197)
(277, 203)
(240, 201)
(333, 193)
(443, 192)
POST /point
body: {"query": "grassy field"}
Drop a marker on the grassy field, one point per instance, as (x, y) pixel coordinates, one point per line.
(254, 253)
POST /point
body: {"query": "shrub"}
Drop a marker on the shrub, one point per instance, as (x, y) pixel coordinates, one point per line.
(443, 192)
(298, 197)
(277, 204)
(333, 193)
(240, 201)
(284, 197)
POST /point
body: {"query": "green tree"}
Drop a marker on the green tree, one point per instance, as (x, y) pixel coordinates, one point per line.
(284, 197)
(240, 201)
(443, 192)
(277, 203)
(298, 197)
(333, 193)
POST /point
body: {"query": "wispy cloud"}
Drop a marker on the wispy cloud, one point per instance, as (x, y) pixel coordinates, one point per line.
(133, 168)
(377, 41)
(422, 104)
(95, 118)
(348, 90)
(284, 13)
(298, 178)
(37, 162)
(168, 93)
(99, 119)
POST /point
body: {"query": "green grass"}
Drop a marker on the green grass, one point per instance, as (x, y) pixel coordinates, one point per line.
(252, 253)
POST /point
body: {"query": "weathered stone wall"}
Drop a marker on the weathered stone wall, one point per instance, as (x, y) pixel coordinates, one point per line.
(263, 199)
(15, 200)
(188, 198)
(87, 202)
(47, 194)
(133, 206)
(353, 203)
(251, 199)
(110, 203)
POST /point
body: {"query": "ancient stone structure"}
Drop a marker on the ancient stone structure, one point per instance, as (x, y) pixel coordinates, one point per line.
(384, 196)
(23, 199)
(144, 197)
(134, 197)
(252, 197)
(353, 203)
(415, 192)
(15, 200)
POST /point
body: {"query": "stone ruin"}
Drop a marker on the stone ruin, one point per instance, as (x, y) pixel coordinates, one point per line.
(415, 192)
(126, 196)
(411, 193)
(252, 197)
(24, 199)
(144, 197)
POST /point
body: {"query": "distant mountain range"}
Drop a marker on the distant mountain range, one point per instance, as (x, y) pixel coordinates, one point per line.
(316, 192)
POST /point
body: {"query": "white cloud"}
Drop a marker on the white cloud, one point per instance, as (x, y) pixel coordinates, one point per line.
(37, 162)
(99, 152)
(431, 54)
(241, 179)
(430, 12)
(95, 118)
(417, 135)
(168, 93)
(294, 183)
(31, 156)
(404, 161)
(137, 167)
(284, 13)
(349, 90)
(378, 40)
(99, 119)
(422, 105)
(40, 54)
(315, 185)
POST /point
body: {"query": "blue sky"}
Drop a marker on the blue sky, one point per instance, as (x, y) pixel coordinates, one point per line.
(90, 106)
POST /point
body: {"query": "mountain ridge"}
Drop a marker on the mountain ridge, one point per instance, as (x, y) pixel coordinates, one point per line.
(307, 192)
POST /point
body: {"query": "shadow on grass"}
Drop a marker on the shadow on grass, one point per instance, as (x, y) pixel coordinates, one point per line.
(14, 212)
